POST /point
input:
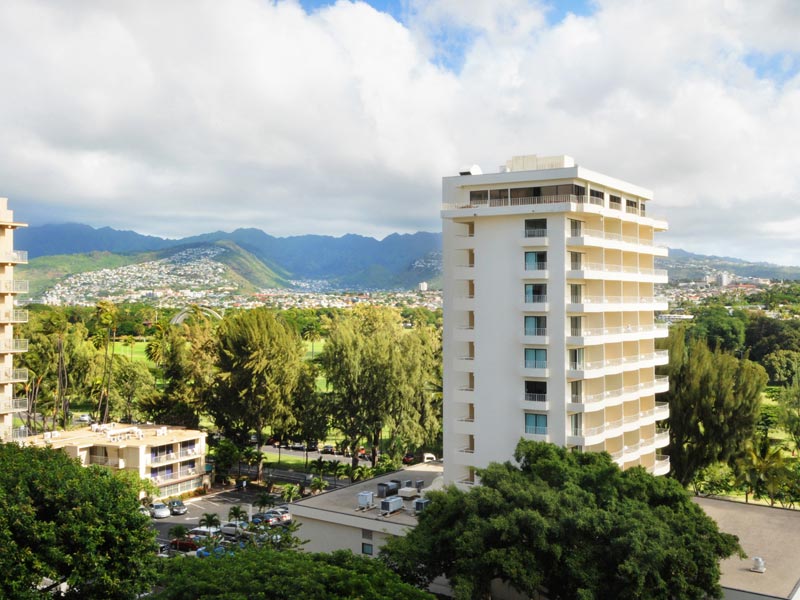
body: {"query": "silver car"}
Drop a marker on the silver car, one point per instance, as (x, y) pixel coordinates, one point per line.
(159, 510)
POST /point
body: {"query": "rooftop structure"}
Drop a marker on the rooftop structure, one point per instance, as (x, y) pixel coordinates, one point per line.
(549, 328)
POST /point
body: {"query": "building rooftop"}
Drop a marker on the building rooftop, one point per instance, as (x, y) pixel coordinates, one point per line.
(113, 434)
(763, 531)
(344, 501)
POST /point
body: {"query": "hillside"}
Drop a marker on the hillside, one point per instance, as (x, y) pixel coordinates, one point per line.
(687, 266)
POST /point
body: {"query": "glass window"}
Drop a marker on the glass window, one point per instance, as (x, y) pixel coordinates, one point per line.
(535, 292)
(366, 548)
(535, 227)
(478, 197)
(536, 261)
(576, 358)
(535, 358)
(535, 325)
(517, 193)
(536, 424)
(536, 391)
(576, 423)
(575, 293)
(575, 261)
(575, 228)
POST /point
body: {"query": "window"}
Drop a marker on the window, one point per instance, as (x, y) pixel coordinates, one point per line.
(498, 197)
(366, 548)
(576, 390)
(478, 197)
(366, 534)
(576, 325)
(536, 424)
(536, 391)
(518, 193)
(576, 358)
(535, 325)
(535, 292)
(536, 261)
(575, 228)
(535, 228)
(575, 293)
(576, 424)
(597, 194)
(615, 202)
(575, 261)
(535, 358)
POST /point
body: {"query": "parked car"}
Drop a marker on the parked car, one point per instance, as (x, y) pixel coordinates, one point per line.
(408, 458)
(428, 457)
(84, 419)
(159, 510)
(283, 513)
(269, 518)
(204, 532)
(298, 446)
(233, 528)
(328, 449)
(144, 510)
(185, 544)
(177, 507)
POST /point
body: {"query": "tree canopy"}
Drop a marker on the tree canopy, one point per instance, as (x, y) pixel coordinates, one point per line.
(70, 524)
(571, 523)
(714, 400)
(267, 574)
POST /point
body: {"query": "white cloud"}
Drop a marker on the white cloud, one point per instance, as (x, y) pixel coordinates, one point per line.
(193, 115)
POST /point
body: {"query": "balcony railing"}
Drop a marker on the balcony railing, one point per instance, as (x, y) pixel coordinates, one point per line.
(535, 233)
(536, 331)
(14, 286)
(617, 300)
(103, 460)
(616, 237)
(14, 316)
(162, 458)
(187, 452)
(13, 404)
(537, 266)
(611, 268)
(14, 433)
(540, 200)
(535, 397)
(615, 362)
(601, 331)
(13, 375)
(14, 345)
(16, 257)
(535, 299)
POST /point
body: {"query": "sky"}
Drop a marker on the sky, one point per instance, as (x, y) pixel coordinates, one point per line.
(182, 117)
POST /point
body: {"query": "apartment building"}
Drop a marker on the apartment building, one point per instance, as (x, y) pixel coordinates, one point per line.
(549, 329)
(10, 403)
(173, 458)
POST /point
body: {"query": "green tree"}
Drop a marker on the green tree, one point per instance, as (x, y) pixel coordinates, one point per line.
(782, 366)
(714, 400)
(259, 369)
(133, 384)
(178, 532)
(381, 378)
(789, 410)
(571, 523)
(720, 327)
(106, 318)
(762, 470)
(209, 520)
(237, 513)
(74, 525)
(290, 492)
(267, 573)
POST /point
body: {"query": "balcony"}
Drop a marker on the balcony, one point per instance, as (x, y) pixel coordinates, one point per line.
(14, 433)
(605, 239)
(616, 272)
(13, 375)
(9, 405)
(163, 458)
(536, 270)
(464, 271)
(14, 287)
(662, 438)
(14, 316)
(535, 368)
(535, 430)
(18, 257)
(535, 304)
(464, 302)
(13, 345)
(103, 460)
(464, 394)
(605, 335)
(616, 303)
(534, 336)
(661, 466)
(538, 402)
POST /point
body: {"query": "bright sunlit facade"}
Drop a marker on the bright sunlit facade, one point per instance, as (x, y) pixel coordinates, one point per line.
(9, 315)
(549, 328)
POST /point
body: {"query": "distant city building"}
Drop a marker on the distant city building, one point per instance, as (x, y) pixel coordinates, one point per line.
(423, 286)
(9, 315)
(549, 328)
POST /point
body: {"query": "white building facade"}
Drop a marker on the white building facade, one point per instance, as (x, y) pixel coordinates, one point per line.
(10, 403)
(549, 328)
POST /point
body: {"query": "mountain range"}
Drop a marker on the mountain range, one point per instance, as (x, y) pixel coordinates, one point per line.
(257, 260)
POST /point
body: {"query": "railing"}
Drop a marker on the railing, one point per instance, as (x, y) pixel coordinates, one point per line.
(539, 200)
(535, 299)
(467, 420)
(611, 268)
(600, 331)
(14, 286)
(535, 430)
(467, 450)
(14, 433)
(630, 448)
(466, 389)
(14, 316)
(535, 364)
(537, 266)
(535, 397)
(187, 452)
(467, 266)
(466, 358)
(103, 460)
(160, 458)
(18, 256)
(630, 418)
(644, 443)
(535, 233)
(13, 404)
(617, 300)
(14, 345)
(540, 331)
(13, 375)
(616, 237)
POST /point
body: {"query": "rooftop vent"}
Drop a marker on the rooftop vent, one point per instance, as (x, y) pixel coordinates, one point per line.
(365, 500)
(392, 505)
(759, 566)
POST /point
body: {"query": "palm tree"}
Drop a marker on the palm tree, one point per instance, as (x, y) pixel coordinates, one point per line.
(178, 532)
(237, 513)
(318, 484)
(318, 466)
(762, 469)
(209, 520)
(290, 492)
(265, 500)
(361, 472)
(342, 471)
(312, 333)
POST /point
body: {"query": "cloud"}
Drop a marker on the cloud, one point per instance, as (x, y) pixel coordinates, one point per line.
(195, 115)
